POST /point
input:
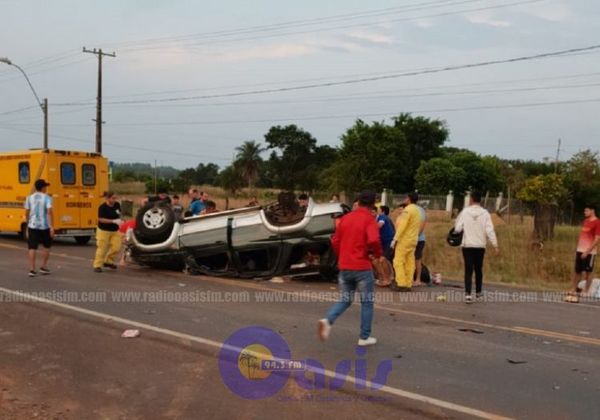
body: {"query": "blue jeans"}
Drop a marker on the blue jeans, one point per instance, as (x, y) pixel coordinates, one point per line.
(350, 282)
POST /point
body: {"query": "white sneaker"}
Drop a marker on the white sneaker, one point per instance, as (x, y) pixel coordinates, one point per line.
(324, 329)
(367, 341)
(468, 299)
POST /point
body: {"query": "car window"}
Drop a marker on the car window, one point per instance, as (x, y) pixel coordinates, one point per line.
(24, 173)
(67, 173)
(88, 174)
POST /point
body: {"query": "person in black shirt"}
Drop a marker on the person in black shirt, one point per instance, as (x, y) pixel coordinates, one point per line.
(108, 240)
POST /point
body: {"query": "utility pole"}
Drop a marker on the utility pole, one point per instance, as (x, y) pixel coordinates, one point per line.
(155, 178)
(557, 156)
(45, 111)
(100, 54)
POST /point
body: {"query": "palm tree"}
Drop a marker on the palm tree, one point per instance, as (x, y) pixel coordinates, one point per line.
(248, 161)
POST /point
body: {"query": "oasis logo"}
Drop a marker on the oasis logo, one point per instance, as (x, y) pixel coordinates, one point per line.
(256, 363)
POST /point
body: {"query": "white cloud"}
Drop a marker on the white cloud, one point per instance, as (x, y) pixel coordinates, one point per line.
(288, 50)
(372, 37)
(267, 52)
(484, 17)
(424, 23)
(554, 12)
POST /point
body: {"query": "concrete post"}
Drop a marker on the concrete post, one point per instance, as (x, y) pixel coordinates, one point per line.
(499, 202)
(449, 202)
(384, 197)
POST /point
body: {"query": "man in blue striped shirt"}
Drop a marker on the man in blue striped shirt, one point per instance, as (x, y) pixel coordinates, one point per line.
(38, 211)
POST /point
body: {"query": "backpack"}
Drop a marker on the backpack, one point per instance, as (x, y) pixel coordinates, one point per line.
(425, 275)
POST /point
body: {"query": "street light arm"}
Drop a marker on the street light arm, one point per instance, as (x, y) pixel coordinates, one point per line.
(30, 85)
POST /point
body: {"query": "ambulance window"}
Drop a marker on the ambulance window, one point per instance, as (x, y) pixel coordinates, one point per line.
(88, 174)
(67, 173)
(24, 172)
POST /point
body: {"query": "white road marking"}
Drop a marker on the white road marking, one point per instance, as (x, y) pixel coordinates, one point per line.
(218, 345)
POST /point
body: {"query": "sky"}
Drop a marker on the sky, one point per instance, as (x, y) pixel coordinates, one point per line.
(192, 80)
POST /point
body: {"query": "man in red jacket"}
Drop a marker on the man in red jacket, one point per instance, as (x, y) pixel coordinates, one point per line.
(356, 241)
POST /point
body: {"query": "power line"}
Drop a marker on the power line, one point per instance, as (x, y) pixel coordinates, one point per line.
(121, 146)
(19, 110)
(280, 25)
(70, 63)
(367, 79)
(342, 116)
(387, 96)
(46, 60)
(331, 28)
(84, 102)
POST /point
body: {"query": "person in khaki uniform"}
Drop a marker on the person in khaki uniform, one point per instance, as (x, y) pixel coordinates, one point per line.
(405, 243)
(108, 239)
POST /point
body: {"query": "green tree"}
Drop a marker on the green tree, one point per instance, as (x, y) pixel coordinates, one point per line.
(206, 174)
(424, 137)
(291, 163)
(161, 184)
(582, 178)
(544, 193)
(371, 156)
(248, 161)
(482, 174)
(437, 176)
(231, 179)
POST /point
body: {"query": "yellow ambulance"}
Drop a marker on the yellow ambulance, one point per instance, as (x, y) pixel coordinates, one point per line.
(77, 182)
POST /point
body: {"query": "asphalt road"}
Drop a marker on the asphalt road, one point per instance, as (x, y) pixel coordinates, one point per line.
(518, 355)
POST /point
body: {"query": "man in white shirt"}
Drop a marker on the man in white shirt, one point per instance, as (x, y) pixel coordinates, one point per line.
(38, 211)
(476, 224)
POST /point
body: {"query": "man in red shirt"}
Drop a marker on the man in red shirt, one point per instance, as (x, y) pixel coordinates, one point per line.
(356, 242)
(587, 248)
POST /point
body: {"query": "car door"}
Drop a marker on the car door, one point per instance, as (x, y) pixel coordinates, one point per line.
(255, 250)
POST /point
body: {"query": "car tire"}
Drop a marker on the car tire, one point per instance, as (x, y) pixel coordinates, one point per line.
(82, 240)
(154, 223)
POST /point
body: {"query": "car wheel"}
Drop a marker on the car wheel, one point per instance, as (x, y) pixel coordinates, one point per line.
(82, 240)
(154, 223)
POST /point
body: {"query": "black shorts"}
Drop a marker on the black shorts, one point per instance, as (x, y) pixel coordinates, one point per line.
(419, 250)
(38, 236)
(584, 265)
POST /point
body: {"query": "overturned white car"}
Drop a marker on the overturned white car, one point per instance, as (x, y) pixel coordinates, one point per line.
(282, 238)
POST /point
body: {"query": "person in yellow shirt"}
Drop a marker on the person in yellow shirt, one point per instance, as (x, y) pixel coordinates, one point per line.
(405, 243)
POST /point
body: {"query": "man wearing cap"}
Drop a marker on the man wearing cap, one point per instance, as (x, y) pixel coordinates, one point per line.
(356, 241)
(108, 240)
(38, 212)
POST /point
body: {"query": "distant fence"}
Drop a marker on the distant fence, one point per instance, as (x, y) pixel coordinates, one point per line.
(494, 204)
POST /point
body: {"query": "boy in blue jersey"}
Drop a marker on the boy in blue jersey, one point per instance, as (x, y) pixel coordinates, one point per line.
(386, 230)
(38, 212)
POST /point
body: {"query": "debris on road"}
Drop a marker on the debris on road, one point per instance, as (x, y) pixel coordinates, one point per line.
(471, 330)
(181, 284)
(516, 362)
(441, 298)
(130, 334)
(277, 280)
